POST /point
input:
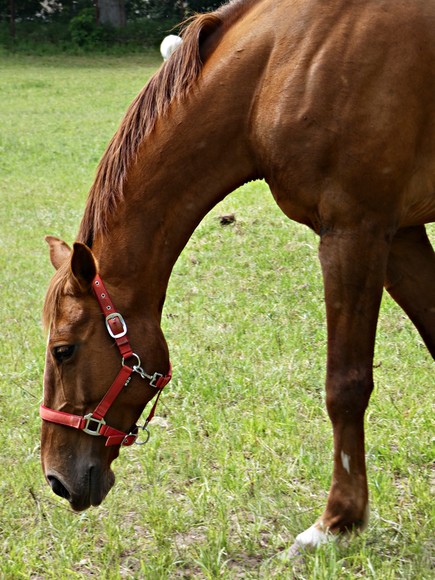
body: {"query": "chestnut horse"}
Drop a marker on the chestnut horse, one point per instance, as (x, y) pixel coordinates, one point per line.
(332, 104)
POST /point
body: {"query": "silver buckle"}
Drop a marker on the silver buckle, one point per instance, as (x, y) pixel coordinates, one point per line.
(121, 320)
(154, 379)
(99, 423)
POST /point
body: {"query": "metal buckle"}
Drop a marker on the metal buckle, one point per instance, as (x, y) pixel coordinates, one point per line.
(99, 423)
(154, 379)
(121, 320)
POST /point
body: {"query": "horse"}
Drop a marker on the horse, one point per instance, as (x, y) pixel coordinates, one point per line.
(169, 44)
(331, 103)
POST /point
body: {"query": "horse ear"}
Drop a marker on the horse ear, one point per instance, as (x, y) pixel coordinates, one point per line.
(83, 265)
(59, 251)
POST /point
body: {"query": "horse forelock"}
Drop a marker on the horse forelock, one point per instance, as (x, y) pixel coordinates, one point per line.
(57, 288)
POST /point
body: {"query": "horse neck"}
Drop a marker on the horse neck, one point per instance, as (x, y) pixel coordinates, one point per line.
(190, 162)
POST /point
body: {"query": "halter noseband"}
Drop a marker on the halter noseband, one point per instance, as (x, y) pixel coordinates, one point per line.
(94, 423)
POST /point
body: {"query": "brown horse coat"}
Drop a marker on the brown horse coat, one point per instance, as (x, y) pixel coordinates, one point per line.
(332, 103)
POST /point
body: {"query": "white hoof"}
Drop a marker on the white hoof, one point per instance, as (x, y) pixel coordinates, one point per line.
(313, 537)
(308, 540)
(317, 535)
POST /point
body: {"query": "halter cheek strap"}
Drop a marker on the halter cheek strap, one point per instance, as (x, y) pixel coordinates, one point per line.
(94, 423)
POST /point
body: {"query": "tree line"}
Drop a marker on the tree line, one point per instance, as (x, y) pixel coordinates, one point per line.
(96, 16)
(116, 12)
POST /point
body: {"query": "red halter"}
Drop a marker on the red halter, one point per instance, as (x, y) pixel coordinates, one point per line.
(94, 423)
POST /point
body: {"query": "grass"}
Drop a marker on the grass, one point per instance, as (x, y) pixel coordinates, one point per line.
(240, 458)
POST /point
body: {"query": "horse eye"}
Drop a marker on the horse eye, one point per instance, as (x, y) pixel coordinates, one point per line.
(63, 353)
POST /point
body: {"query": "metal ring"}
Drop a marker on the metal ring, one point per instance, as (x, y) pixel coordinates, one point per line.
(144, 428)
(133, 354)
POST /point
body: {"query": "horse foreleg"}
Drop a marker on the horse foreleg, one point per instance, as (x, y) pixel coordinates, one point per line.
(410, 280)
(353, 265)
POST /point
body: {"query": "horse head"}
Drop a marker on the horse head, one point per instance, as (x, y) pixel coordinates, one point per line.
(94, 392)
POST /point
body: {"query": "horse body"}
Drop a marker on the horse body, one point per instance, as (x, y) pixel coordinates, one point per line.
(333, 106)
(338, 125)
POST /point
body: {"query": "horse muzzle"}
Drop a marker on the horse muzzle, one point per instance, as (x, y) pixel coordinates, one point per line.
(87, 488)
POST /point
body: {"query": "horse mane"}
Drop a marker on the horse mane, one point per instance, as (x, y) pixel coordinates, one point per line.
(172, 81)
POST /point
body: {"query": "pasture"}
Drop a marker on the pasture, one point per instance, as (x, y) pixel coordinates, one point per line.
(240, 454)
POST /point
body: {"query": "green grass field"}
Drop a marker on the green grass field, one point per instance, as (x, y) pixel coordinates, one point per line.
(239, 460)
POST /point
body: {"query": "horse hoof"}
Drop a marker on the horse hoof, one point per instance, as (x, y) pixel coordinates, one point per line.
(313, 537)
(310, 539)
(295, 552)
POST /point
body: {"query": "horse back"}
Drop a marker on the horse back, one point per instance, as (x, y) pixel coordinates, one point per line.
(343, 102)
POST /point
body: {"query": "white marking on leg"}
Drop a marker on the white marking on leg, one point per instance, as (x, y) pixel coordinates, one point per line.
(317, 535)
(313, 537)
(345, 461)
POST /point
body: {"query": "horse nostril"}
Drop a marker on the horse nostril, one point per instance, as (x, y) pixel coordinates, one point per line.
(58, 487)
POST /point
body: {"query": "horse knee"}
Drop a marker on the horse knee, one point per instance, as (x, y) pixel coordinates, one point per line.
(348, 397)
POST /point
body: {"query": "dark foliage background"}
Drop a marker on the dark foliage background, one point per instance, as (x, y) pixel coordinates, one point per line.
(41, 26)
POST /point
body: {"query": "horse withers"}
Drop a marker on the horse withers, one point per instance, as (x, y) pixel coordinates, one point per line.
(332, 104)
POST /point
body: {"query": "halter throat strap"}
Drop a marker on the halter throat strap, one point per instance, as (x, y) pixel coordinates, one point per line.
(94, 423)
